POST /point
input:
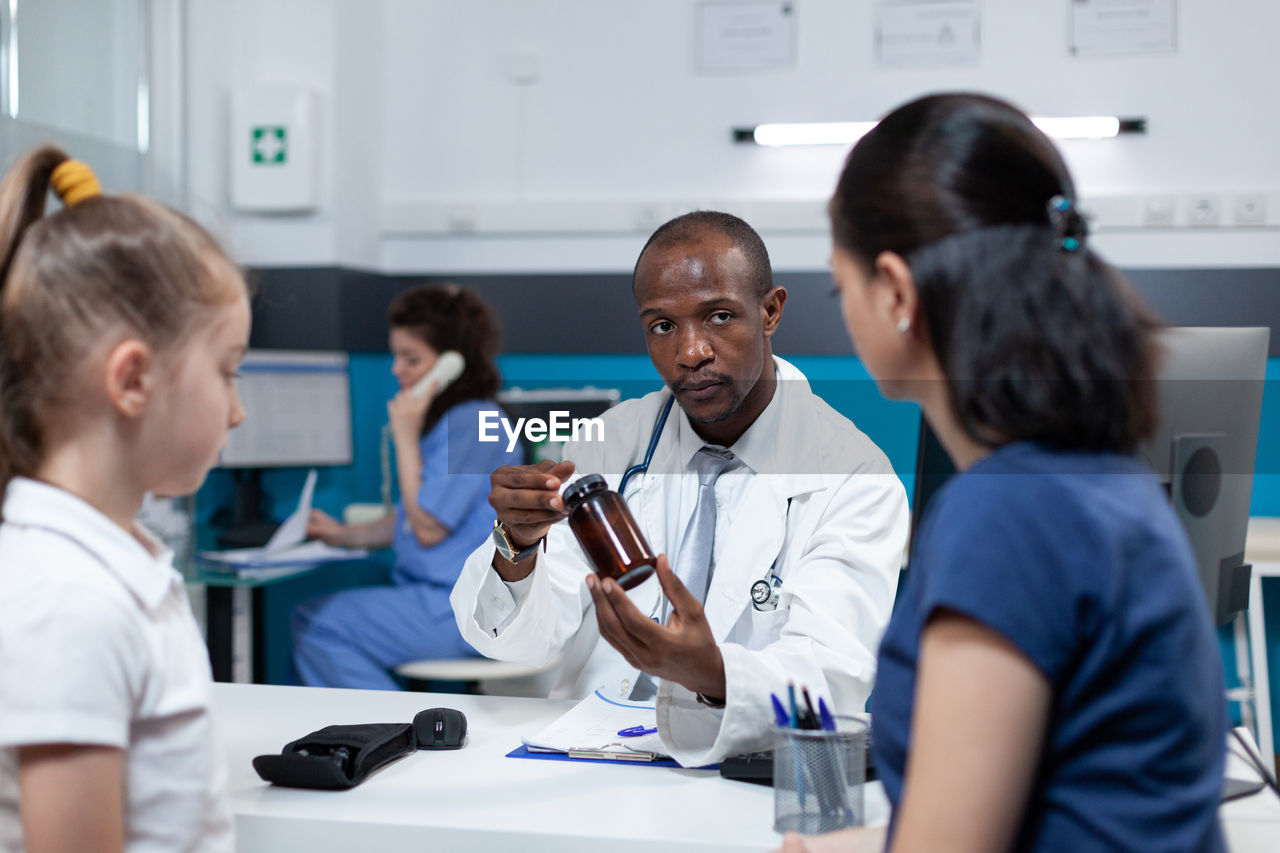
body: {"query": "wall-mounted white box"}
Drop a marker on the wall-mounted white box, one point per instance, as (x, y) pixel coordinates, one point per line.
(274, 139)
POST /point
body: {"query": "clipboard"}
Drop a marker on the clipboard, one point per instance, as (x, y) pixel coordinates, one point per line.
(523, 751)
(589, 731)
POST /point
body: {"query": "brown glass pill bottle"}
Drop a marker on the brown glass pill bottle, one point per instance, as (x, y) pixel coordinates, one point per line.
(607, 532)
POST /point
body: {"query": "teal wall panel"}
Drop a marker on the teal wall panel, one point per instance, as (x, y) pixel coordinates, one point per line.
(841, 380)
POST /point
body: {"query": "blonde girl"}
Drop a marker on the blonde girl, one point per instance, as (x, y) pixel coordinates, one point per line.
(122, 324)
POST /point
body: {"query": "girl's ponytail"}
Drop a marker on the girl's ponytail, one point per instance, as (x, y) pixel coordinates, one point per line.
(22, 199)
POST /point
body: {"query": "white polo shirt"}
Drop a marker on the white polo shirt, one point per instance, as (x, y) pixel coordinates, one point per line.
(98, 646)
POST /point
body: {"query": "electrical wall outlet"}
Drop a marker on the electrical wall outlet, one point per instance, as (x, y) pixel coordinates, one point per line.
(1158, 212)
(1204, 210)
(1250, 209)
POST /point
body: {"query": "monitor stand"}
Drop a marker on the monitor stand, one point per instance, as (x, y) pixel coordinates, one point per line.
(249, 527)
(1233, 588)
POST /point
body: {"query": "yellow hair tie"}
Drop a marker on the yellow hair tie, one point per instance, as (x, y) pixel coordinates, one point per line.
(74, 181)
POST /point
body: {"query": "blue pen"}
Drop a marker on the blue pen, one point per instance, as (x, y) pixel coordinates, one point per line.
(791, 697)
(824, 715)
(779, 712)
(637, 731)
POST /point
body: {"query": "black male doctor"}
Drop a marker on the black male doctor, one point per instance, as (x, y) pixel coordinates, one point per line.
(801, 500)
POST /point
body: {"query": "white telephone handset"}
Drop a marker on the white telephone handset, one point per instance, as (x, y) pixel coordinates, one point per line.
(448, 367)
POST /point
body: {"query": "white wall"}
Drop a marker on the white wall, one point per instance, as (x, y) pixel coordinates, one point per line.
(332, 47)
(436, 161)
(79, 65)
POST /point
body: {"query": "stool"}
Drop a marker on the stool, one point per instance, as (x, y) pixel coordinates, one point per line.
(478, 675)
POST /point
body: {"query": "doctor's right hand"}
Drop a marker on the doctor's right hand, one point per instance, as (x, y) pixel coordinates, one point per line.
(527, 498)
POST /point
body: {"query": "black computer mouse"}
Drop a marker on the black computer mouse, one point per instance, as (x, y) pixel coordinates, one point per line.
(440, 728)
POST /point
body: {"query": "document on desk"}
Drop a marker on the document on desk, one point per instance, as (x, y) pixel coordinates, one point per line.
(590, 730)
(287, 548)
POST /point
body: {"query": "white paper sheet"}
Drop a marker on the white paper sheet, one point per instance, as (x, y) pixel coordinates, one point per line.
(302, 554)
(594, 723)
(926, 34)
(1123, 27)
(287, 547)
(294, 529)
(745, 35)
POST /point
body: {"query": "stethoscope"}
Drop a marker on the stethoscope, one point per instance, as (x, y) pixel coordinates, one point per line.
(658, 426)
(765, 591)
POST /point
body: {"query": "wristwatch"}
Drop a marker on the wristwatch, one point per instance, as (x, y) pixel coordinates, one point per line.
(710, 701)
(507, 548)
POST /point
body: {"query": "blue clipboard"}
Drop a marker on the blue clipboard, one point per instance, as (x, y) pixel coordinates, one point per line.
(523, 752)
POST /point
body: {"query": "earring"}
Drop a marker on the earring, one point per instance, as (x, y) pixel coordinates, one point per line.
(904, 324)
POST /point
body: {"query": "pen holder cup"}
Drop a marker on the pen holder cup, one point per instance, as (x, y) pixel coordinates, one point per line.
(818, 777)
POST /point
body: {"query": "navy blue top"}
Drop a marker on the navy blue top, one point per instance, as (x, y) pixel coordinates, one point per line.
(456, 466)
(1080, 562)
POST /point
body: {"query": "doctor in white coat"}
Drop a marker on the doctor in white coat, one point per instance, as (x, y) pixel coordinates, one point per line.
(812, 507)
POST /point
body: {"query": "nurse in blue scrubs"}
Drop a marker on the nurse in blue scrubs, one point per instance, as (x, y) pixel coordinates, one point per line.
(355, 638)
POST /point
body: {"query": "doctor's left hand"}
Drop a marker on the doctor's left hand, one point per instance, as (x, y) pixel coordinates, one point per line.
(684, 650)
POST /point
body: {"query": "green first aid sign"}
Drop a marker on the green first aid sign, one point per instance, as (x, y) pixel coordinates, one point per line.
(269, 145)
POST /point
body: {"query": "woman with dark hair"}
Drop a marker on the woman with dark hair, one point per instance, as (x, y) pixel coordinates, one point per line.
(356, 637)
(1050, 679)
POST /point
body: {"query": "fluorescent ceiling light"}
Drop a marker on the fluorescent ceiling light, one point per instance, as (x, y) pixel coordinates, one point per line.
(1078, 127)
(811, 133)
(848, 132)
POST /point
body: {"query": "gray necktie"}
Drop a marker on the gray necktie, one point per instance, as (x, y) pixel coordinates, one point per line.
(694, 565)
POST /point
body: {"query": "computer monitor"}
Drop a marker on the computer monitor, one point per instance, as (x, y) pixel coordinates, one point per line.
(1210, 404)
(298, 411)
(1209, 398)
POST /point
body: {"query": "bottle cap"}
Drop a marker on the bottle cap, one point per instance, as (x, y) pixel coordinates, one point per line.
(579, 489)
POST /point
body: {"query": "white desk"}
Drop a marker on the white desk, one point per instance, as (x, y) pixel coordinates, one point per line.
(476, 799)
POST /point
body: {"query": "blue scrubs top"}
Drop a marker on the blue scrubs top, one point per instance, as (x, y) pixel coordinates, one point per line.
(1079, 561)
(455, 489)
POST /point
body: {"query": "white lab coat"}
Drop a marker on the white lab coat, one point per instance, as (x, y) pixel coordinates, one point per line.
(837, 549)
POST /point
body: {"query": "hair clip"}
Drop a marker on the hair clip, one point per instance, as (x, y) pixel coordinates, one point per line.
(1068, 225)
(74, 181)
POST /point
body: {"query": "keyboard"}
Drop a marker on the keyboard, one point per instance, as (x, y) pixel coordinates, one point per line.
(757, 768)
